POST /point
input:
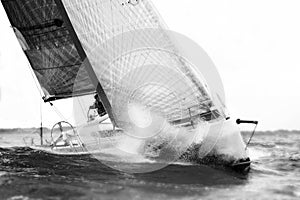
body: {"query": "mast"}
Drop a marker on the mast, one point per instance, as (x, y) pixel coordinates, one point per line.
(88, 66)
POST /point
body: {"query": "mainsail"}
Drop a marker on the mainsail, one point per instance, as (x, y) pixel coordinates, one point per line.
(48, 45)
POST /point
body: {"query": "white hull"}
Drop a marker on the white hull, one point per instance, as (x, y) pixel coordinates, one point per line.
(228, 143)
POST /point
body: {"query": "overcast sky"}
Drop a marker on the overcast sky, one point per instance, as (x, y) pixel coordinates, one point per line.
(254, 44)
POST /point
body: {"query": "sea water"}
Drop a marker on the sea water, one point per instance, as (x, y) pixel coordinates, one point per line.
(30, 174)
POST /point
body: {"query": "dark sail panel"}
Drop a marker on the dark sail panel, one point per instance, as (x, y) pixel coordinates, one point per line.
(47, 43)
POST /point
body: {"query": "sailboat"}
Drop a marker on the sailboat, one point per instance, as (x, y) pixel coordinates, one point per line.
(158, 105)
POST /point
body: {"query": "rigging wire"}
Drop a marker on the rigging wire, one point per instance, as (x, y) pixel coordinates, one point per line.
(252, 134)
(42, 96)
(41, 106)
(35, 82)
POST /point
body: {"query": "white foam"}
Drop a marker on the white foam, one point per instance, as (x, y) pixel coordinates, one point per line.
(256, 154)
(231, 142)
(139, 115)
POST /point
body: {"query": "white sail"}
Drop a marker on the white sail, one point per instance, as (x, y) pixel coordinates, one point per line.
(135, 59)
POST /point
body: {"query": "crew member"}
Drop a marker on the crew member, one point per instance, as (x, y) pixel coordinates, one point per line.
(99, 106)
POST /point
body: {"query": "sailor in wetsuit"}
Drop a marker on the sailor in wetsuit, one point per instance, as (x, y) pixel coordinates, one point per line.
(99, 106)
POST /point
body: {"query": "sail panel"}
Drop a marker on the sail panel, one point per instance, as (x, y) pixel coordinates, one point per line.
(47, 43)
